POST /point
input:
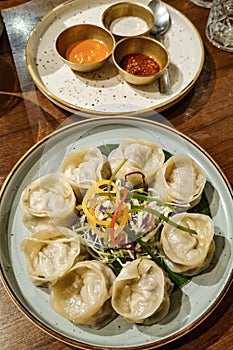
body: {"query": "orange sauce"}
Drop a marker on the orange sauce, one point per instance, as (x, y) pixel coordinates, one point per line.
(87, 51)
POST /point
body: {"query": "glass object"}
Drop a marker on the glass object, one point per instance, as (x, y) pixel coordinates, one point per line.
(202, 3)
(219, 29)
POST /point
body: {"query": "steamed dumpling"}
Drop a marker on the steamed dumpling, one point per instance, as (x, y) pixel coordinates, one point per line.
(83, 295)
(142, 157)
(51, 253)
(184, 180)
(141, 292)
(184, 252)
(84, 167)
(48, 201)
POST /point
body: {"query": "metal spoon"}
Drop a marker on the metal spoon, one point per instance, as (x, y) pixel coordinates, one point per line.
(161, 25)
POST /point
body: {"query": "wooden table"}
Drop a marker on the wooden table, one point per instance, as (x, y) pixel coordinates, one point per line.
(26, 116)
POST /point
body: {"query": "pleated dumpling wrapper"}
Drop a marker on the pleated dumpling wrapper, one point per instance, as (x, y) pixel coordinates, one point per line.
(143, 161)
(188, 253)
(84, 167)
(184, 180)
(83, 295)
(141, 292)
(48, 201)
(51, 253)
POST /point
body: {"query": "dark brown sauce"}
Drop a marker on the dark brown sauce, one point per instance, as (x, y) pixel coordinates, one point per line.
(139, 64)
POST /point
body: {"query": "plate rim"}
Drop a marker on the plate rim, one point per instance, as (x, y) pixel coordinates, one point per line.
(76, 343)
(74, 109)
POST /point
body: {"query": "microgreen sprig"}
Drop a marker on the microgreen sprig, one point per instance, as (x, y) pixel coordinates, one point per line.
(164, 218)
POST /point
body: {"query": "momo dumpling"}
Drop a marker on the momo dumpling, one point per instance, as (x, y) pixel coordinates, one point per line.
(143, 160)
(185, 252)
(51, 253)
(48, 201)
(84, 167)
(184, 179)
(83, 295)
(141, 292)
(158, 187)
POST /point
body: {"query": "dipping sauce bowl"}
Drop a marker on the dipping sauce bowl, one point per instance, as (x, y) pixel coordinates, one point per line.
(140, 60)
(127, 19)
(85, 47)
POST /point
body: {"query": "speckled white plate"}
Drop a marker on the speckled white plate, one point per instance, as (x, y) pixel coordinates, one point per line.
(189, 306)
(104, 91)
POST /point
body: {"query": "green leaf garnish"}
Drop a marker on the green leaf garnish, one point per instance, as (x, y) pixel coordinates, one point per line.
(177, 279)
(202, 207)
(107, 149)
(167, 155)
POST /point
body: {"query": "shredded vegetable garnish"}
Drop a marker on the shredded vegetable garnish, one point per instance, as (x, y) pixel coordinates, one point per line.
(122, 212)
(120, 224)
(166, 219)
(110, 208)
(115, 172)
(134, 173)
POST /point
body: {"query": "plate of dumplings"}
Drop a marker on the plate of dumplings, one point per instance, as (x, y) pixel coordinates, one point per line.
(113, 231)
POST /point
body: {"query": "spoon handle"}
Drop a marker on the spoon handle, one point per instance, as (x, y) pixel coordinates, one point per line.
(164, 80)
(164, 83)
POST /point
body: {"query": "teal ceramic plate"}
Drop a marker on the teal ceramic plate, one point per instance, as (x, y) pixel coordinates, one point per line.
(189, 306)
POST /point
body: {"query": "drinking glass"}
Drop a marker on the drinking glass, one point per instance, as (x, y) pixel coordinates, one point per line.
(219, 29)
(202, 3)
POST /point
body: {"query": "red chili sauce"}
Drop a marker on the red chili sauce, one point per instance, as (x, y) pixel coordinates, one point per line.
(139, 64)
